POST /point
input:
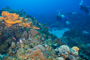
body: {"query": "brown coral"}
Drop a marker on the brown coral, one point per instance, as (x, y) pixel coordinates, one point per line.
(38, 53)
(33, 32)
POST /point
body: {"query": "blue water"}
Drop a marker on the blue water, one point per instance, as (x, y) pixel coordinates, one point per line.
(44, 10)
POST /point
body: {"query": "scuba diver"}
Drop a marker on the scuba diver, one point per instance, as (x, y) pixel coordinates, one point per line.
(63, 18)
(84, 8)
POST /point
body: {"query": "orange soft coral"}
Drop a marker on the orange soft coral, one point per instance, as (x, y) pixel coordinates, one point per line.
(25, 24)
(5, 13)
(35, 27)
(1, 18)
(28, 25)
(12, 22)
(13, 18)
(10, 18)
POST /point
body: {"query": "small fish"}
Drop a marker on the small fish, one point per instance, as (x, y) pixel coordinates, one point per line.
(14, 38)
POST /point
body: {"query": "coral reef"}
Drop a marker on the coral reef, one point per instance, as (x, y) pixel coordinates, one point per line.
(77, 38)
(24, 38)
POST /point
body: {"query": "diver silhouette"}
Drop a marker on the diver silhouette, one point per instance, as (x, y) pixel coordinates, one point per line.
(62, 18)
(84, 8)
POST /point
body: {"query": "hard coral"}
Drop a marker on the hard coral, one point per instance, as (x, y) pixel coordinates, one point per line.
(76, 48)
(38, 53)
(60, 58)
(39, 47)
(64, 48)
(33, 32)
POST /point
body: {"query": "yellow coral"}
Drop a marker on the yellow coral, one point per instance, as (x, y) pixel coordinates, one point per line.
(76, 48)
